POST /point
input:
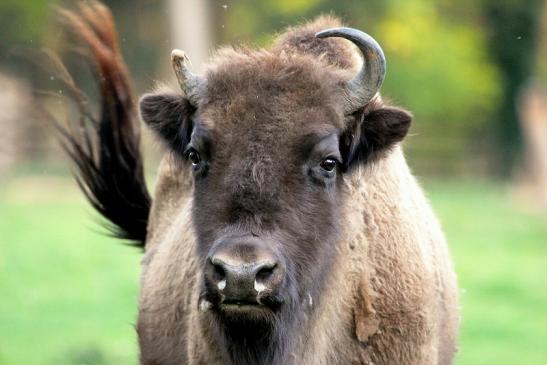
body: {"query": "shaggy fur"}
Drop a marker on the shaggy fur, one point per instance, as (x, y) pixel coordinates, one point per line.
(368, 276)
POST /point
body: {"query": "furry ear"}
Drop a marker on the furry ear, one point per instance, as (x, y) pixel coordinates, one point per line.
(170, 116)
(373, 133)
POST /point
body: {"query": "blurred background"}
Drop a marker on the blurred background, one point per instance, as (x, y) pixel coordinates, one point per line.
(474, 73)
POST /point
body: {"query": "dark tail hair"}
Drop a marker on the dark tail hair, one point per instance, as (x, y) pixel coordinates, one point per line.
(106, 150)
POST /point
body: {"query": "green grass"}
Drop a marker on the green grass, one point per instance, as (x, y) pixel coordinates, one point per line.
(501, 260)
(68, 294)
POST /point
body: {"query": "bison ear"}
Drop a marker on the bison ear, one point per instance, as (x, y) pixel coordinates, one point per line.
(373, 133)
(170, 116)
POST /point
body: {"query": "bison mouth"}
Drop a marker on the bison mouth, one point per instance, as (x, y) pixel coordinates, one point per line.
(238, 312)
(241, 306)
(221, 305)
(259, 310)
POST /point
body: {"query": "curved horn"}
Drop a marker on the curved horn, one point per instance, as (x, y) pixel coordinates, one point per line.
(364, 86)
(188, 81)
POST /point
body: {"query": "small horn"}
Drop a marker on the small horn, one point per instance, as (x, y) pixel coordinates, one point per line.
(188, 81)
(364, 86)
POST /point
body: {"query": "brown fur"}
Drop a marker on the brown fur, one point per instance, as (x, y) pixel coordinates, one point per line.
(370, 281)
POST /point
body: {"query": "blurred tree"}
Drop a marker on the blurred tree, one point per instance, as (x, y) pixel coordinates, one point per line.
(191, 30)
(30, 25)
(457, 65)
(22, 24)
(21, 21)
(513, 32)
(143, 29)
(439, 68)
(541, 58)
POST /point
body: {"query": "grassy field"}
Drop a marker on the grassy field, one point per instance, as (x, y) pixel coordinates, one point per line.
(68, 294)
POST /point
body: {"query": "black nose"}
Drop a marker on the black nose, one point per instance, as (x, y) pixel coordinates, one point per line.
(243, 273)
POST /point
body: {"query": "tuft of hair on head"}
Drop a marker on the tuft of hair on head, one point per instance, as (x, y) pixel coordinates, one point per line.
(301, 39)
(106, 149)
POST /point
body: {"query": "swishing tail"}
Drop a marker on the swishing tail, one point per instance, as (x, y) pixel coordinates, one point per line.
(106, 150)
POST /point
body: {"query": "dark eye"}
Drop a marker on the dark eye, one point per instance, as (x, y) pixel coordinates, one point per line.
(328, 164)
(194, 157)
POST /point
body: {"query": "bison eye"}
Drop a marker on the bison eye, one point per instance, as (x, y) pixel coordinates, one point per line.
(193, 156)
(328, 164)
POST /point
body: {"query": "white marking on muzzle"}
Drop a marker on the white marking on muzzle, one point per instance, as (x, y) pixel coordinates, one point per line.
(221, 285)
(310, 300)
(205, 305)
(259, 287)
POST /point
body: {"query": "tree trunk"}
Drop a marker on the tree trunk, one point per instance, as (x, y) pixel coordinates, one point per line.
(192, 29)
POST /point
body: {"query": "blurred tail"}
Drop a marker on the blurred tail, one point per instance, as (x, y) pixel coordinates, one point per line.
(106, 150)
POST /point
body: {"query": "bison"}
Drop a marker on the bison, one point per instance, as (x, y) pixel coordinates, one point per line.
(285, 226)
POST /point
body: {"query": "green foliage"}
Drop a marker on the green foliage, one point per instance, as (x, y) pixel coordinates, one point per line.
(69, 294)
(23, 21)
(540, 70)
(513, 32)
(23, 25)
(439, 68)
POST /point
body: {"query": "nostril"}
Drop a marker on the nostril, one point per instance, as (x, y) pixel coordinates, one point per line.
(265, 273)
(218, 272)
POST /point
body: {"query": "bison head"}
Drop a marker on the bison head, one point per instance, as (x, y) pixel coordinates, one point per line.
(269, 138)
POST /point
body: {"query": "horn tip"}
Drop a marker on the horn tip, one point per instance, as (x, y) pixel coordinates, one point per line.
(321, 34)
(325, 33)
(178, 55)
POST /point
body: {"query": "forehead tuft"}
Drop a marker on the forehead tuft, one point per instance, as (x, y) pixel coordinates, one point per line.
(267, 73)
(272, 86)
